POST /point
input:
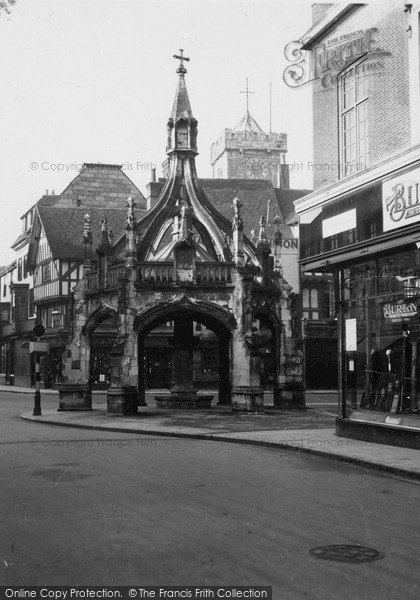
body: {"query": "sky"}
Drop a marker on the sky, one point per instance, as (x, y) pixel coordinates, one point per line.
(94, 81)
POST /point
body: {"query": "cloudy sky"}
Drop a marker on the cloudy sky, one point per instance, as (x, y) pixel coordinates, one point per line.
(94, 81)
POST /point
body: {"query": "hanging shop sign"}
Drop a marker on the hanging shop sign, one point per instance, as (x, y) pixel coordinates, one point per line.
(327, 60)
(400, 311)
(401, 200)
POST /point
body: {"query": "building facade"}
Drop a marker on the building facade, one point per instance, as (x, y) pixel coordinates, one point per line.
(362, 222)
(37, 287)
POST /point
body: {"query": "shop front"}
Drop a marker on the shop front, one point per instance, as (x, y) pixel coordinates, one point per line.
(368, 238)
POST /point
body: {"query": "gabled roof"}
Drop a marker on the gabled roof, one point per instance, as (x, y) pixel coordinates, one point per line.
(102, 186)
(64, 229)
(99, 190)
(254, 195)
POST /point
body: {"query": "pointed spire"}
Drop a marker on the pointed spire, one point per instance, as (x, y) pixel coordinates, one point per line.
(248, 124)
(182, 127)
(181, 108)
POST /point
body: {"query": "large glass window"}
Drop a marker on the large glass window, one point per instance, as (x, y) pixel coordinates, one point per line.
(354, 120)
(382, 333)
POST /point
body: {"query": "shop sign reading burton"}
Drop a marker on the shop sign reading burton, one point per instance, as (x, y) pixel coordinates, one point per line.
(401, 200)
(399, 311)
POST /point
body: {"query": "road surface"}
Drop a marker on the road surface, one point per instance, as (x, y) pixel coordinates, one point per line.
(81, 507)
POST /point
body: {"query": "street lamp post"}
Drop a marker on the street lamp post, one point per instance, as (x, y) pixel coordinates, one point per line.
(38, 348)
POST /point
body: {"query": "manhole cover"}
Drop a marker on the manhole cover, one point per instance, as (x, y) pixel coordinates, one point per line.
(346, 553)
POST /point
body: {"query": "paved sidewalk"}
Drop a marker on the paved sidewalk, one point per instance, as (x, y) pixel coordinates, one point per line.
(311, 431)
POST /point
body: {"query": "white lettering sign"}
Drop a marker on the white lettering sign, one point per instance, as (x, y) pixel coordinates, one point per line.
(400, 311)
(339, 223)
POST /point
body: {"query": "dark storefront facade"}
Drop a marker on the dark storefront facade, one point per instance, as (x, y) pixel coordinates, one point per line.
(366, 232)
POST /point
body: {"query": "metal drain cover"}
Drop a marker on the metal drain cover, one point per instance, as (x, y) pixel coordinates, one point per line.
(348, 553)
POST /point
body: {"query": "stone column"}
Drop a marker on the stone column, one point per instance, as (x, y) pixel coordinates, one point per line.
(182, 358)
(122, 396)
(247, 394)
(75, 391)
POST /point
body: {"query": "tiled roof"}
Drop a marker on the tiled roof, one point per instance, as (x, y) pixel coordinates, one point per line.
(64, 229)
(254, 194)
(286, 198)
(101, 186)
(47, 200)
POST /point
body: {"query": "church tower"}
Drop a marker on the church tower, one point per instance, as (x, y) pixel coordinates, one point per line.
(247, 152)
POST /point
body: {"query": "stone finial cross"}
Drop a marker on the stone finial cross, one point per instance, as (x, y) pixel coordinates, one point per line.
(181, 69)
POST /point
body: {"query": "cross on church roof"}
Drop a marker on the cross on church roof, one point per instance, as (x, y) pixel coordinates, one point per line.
(247, 92)
(181, 69)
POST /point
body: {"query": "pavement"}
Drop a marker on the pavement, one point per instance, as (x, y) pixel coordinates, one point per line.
(311, 430)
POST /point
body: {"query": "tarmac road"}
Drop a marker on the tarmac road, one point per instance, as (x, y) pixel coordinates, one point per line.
(100, 508)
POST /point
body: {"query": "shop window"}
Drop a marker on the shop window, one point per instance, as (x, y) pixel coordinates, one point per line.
(354, 119)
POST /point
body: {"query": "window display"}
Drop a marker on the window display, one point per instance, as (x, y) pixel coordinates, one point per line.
(381, 301)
